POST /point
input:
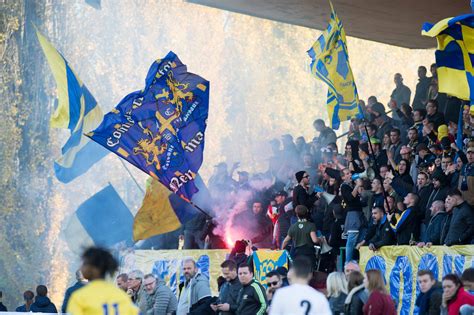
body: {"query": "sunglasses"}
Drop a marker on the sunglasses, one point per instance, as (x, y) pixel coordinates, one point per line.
(307, 176)
(272, 284)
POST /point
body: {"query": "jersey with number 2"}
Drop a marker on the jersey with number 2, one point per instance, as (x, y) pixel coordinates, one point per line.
(100, 298)
(299, 299)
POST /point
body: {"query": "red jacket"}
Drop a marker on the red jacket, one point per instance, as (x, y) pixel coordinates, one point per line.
(462, 298)
(379, 304)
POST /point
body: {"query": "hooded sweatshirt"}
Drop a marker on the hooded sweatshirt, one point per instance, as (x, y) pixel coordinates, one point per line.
(43, 304)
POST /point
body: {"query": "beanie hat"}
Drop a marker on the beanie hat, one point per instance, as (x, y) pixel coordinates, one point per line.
(299, 176)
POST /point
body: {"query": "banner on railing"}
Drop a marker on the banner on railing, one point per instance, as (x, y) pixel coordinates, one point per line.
(265, 261)
(400, 265)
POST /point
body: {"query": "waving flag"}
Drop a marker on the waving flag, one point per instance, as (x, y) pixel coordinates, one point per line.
(454, 55)
(330, 64)
(77, 111)
(160, 129)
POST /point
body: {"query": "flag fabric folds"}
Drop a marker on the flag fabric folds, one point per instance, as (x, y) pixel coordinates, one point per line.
(330, 64)
(163, 211)
(102, 220)
(454, 54)
(77, 111)
(160, 129)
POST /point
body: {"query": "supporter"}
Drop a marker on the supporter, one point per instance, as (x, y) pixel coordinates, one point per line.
(301, 146)
(252, 299)
(432, 236)
(459, 226)
(434, 94)
(468, 280)
(419, 116)
(386, 141)
(136, 290)
(352, 204)
(99, 296)
(260, 226)
(301, 193)
(80, 282)
(440, 190)
(238, 252)
(194, 293)
(28, 297)
(412, 138)
(421, 91)
(160, 300)
(381, 120)
(299, 297)
(303, 235)
(352, 157)
(242, 184)
(379, 233)
(274, 282)
(220, 181)
(379, 154)
(336, 285)
(326, 134)
(357, 296)
(379, 302)
(122, 281)
(350, 267)
(433, 115)
(454, 296)
(430, 297)
(3, 308)
(395, 144)
(467, 178)
(283, 272)
(229, 292)
(42, 303)
(193, 232)
(404, 225)
(284, 217)
(401, 94)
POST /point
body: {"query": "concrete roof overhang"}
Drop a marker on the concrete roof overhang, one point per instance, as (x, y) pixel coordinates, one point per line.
(393, 22)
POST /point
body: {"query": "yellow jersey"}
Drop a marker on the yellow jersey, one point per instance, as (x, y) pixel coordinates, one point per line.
(100, 298)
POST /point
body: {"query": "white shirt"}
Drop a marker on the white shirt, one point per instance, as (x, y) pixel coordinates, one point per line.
(299, 299)
(183, 303)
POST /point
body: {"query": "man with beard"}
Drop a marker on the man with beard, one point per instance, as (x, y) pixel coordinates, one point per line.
(459, 227)
(194, 290)
(301, 194)
(229, 292)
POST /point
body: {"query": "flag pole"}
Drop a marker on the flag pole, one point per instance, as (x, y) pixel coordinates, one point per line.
(130, 174)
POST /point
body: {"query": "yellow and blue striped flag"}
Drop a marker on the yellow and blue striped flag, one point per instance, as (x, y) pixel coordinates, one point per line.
(454, 55)
(77, 111)
(330, 64)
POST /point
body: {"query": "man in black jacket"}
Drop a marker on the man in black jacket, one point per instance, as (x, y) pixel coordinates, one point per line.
(435, 225)
(301, 195)
(252, 298)
(459, 227)
(229, 293)
(405, 224)
(379, 234)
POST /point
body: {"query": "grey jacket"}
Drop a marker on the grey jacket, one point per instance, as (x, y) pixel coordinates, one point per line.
(199, 288)
(162, 301)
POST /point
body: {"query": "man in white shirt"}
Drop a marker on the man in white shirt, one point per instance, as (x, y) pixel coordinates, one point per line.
(299, 298)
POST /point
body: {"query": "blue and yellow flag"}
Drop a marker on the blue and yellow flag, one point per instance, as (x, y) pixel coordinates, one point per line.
(101, 220)
(163, 211)
(454, 55)
(330, 64)
(160, 129)
(77, 111)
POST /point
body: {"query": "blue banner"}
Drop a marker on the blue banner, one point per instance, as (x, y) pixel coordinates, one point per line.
(160, 129)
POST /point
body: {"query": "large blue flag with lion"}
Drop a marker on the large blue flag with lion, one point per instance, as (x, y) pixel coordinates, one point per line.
(160, 129)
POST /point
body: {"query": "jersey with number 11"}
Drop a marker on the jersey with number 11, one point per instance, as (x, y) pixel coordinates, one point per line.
(100, 298)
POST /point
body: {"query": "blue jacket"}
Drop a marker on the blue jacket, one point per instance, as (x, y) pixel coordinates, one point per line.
(68, 293)
(21, 308)
(43, 304)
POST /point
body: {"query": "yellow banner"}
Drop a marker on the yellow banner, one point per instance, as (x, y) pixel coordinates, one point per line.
(167, 264)
(265, 261)
(400, 265)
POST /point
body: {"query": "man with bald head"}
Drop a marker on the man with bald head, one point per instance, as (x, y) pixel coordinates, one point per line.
(435, 225)
(193, 290)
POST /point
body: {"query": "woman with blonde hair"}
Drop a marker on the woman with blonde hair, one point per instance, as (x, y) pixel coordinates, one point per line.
(379, 302)
(336, 286)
